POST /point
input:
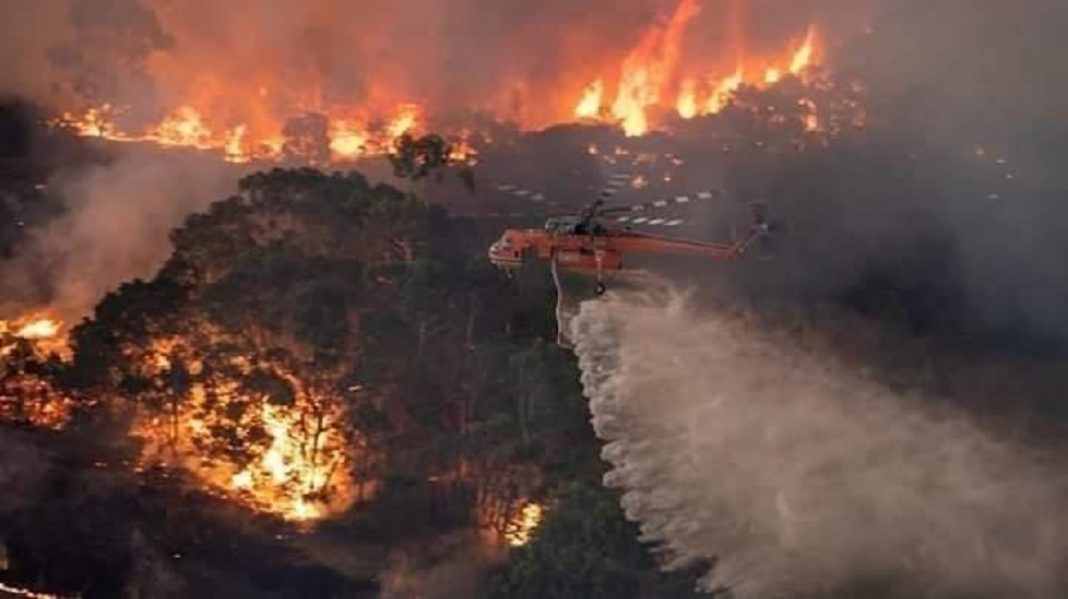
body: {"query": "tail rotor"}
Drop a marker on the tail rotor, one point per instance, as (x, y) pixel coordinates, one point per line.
(768, 231)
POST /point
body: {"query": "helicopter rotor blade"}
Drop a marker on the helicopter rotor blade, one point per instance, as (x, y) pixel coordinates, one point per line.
(701, 196)
(523, 193)
(651, 222)
(614, 184)
(494, 215)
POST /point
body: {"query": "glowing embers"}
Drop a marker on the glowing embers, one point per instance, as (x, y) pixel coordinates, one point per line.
(520, 530)
(251, 431)
(15, 591)
(27, 395)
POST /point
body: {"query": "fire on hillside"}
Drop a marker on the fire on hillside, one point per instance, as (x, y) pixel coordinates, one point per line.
(267, 118)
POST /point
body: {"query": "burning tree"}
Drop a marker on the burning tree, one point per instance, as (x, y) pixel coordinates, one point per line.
(311, 334)
(30, 366)
(235, 361)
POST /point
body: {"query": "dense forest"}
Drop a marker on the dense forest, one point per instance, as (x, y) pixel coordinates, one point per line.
(315, 345)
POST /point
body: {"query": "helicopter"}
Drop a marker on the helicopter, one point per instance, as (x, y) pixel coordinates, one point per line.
(596, 240)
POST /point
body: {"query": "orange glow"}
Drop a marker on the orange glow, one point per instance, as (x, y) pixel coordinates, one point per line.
(235, 147)
(404, 122)
(804, 55)
(39, 328)
(183, 128)
(521, 530)
(26, 397)
(243, 117)
(647, 70)
(589, 106)
(293, 460)
(650, 76)
(44, 331)
(722, 91)
(22, 592)
(811, 115)
(687, 104)
(462, 151)
(348, 139)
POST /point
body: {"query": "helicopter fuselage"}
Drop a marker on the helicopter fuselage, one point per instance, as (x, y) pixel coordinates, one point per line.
(597, 248)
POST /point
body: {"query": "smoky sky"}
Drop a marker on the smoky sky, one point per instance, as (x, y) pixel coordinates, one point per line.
(514, 58)
(984, 57)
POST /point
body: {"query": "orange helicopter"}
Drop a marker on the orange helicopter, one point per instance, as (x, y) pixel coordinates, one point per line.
(593, 243)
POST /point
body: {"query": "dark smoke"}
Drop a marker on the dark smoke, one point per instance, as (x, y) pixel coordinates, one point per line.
(803, 472)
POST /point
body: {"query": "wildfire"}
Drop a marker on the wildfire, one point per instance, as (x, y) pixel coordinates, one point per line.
(589, 107)
(521, 530)
(652, 76)
(23, 592)
(348, 137)
(244, 118)
(687, 104)
(25, 396)
(43, 330)
(721, 92)
(290, 460)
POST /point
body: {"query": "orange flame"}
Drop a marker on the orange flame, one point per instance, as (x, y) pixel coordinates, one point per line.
(649, 76)
(687, 104)
(26, 397)
(350, 137)
(647, 70)
(589, 106)
(521, 530)
(722, 91)
(804, 55)
(297, 460)
(39, 328)
(243, 117)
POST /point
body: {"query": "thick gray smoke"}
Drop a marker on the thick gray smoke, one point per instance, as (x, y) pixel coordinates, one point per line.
(115, 227)
(800, 476)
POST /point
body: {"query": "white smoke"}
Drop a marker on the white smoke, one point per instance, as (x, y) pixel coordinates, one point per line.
(115, 226)
(796, 475)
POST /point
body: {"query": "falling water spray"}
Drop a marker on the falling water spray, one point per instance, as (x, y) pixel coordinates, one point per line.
(795, 476)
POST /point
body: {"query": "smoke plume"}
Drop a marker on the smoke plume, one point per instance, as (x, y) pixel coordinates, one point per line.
(115, 226)
(800, 477)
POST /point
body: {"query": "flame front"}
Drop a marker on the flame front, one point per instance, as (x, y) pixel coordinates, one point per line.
(653, 76)
(648, 69)
(244, 114)
(291, 459)
(348, 137)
